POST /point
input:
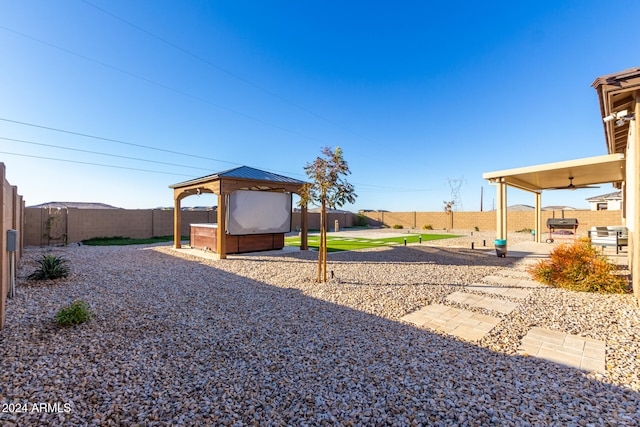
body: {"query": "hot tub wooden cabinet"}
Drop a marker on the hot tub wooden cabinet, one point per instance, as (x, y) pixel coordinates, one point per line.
(206, 236)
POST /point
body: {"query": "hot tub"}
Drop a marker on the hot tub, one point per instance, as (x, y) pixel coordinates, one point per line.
(205, 236)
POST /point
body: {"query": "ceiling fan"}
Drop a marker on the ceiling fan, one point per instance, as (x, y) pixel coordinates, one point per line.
(571, 186)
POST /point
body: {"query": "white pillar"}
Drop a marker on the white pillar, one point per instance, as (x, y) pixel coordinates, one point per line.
(538, 216)
(501, 209)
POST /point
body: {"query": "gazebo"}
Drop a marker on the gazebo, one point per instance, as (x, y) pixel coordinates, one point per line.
(224, 184)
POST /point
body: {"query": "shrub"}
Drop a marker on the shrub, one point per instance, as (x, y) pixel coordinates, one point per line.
(476, 228)
(427, 227)
(51, 267)
(74, 314)
(360, 220)
(397, 226)
(525, 230)
(578, 267)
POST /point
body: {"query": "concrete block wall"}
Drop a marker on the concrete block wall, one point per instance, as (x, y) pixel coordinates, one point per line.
(486, 221)
(344, 220)
(163, 221)
(32, 226)
(86, 223)
(73, 225)
(11, 218)
(80, 224)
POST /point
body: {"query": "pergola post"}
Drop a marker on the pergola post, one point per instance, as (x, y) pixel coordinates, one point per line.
(538, 217)
(304, 240)
(222, 226)
(177, 213)
(501, 209)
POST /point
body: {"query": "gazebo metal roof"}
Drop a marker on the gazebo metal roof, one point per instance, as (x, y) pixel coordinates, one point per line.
(241, 172)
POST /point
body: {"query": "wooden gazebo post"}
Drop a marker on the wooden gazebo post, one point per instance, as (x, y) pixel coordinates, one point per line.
(177, 218)
(222, 226)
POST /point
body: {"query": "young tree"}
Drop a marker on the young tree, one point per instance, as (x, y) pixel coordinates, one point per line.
(327, 189)
(448, 208)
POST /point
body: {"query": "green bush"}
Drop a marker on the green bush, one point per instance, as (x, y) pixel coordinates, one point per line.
(476, 228)
(74, 314)
(51, 267)
(360, 220)
(397, 226)
(579, 267)
(427, 227)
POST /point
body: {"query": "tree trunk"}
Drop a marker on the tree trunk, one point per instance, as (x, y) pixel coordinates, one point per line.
(324, 241)
(320, 247)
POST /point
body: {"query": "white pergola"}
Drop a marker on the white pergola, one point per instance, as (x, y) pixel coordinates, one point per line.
(535, 179)
(619, 98)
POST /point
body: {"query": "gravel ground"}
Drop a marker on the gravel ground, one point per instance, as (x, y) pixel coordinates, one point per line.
(251, 340)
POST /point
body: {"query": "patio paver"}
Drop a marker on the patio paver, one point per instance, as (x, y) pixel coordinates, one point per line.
(512, 281)
(460, 323)
(481, 301)
(567, 349)
(511, 292)
(514, 273)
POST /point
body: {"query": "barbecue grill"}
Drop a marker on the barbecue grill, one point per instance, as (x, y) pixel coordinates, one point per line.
(561, 224)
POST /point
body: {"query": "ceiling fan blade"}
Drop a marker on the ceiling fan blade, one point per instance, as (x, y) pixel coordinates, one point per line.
(572, 186)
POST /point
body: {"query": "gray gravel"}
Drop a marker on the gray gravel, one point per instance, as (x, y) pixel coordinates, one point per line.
(178, 340)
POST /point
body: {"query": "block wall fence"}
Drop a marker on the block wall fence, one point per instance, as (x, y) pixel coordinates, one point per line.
(486, 221)
(11, 218)
(44, 227)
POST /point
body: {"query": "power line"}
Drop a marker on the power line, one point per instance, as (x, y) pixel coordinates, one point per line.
(226, 71)
(372, 188)
(162, 85)
(117, 141)
(94, 164)
(99, 153)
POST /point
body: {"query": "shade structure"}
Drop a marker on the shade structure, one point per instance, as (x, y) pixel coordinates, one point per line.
(609, 168)
(226, 182)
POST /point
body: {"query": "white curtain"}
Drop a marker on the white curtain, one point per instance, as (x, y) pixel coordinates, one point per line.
(258, 212)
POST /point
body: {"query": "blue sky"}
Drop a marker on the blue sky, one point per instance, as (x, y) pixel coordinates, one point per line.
(415, 93)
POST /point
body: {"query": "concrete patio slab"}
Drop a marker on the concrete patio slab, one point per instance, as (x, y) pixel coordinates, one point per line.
(480, 301)
(463, 324)
(571, 350)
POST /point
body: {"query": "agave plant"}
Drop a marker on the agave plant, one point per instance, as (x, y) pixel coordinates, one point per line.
(51, 267)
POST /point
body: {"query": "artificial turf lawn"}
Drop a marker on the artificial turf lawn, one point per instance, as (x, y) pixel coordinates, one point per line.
(337, 243)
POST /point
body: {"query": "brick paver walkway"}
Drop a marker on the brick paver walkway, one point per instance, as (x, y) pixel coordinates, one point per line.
(505, 291)
(556, 346)
(460, 323)
(480, 301)
(567, 349)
